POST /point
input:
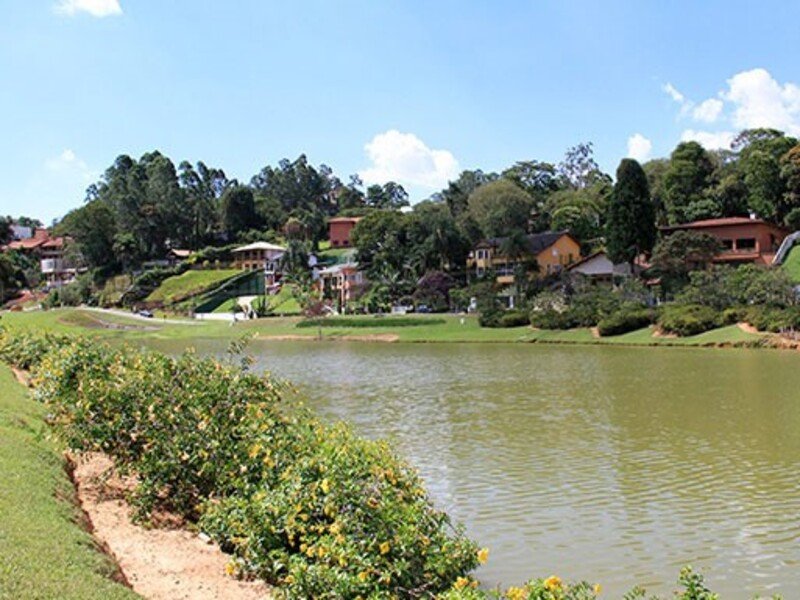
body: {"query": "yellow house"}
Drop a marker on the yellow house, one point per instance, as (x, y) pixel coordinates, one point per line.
(553, 252)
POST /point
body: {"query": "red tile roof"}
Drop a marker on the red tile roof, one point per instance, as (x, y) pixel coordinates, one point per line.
(720, 223)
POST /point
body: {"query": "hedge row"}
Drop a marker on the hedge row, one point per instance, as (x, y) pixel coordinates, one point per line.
(374, 321)
(312, 508)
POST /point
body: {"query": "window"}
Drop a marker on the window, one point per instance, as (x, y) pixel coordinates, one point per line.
(746, 244)
(727, 245)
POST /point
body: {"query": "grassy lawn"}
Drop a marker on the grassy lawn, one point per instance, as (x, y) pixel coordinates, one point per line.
(189, 284)
(45, 553)
(454, 329)
(792, 264)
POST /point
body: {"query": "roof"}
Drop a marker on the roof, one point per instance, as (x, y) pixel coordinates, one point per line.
(181, 253)
(260, 246)
(535, 242)
(57, 242)
(723, 222)
(333, 270)
(344, 220)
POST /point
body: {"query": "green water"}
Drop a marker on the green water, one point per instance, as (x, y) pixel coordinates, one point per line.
(616, 465)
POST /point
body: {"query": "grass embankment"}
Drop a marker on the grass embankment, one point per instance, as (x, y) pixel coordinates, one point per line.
(282, 303)
(188, 284)
(438, 328)
(792, 264)
(45, 552)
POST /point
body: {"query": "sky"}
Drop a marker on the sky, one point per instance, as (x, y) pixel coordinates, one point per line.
(412, 91)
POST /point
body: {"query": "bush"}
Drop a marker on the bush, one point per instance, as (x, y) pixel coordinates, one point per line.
(686, 320)
(514, 318)
(552, 319)
(774, 320)
(315, 508)
(625, 321)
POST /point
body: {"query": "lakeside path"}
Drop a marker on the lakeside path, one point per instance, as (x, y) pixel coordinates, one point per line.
(120, 325)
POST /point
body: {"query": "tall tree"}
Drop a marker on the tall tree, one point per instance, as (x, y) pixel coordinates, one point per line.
(500, 208)
(238, 211)
(631, 226)
(458, 191)
(686, 183)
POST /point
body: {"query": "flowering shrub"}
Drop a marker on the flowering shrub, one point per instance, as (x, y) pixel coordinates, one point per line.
(312, 507)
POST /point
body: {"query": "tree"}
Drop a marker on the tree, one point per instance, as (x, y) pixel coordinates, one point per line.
(790, 174)
(579, 169)
(238, 210)
(435, 242)
(686, 182)
(390, 196)
(94, 228)
(5, 230)
(458, 191)
(631, 227)
(203, 188)
(681, 252)
(380, 240)
(500, 208)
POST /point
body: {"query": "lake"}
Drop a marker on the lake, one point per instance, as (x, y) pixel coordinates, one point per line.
(615, 465)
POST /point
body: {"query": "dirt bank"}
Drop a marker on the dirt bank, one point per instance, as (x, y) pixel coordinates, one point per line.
(159, 563)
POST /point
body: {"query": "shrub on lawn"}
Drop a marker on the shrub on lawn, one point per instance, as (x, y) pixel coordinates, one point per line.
(686, 320)
(624, 321)
(775, 320)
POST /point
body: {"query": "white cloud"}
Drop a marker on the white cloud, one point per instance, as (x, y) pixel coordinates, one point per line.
(404, 158)
(710, 140)
(760, 101)
(708, 111)
(96, 8)
(639, 147)
(674, 93)
(69, 166)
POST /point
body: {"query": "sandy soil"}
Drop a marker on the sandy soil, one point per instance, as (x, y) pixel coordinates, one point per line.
(158, 563)
(747, 328)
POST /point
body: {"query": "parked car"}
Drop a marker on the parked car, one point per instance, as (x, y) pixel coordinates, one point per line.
(145, 313)
(424, 308)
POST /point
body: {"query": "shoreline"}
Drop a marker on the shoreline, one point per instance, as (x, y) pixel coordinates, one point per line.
(448, 329)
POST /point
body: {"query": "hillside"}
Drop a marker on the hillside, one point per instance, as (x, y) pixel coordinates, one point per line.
(188, 284)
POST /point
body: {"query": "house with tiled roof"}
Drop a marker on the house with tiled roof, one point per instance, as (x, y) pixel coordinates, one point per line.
(742, 239)
(550, 251)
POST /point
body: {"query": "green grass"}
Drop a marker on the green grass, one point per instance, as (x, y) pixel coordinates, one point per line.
(283, 303)
(189, 284)
(45, 553)
(453, 329)
(792, 264)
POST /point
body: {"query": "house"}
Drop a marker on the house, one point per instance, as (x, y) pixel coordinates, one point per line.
(260, 256)
(341, 283)
(339, 229)
(552, 251)
(743, 239)
(57, 269)
(28, 241)
(598, 268)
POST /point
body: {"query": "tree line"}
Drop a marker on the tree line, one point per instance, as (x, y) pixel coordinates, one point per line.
(141, 208)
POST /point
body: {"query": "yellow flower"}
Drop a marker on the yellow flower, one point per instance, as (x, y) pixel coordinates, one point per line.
(483, 555)
(230, 569)
(288, 579)
(515, 593)
(384, 548)
(372, 503)
(552, 583)
(363, 576)
(461, 583)
(597, 589)
(325, 486)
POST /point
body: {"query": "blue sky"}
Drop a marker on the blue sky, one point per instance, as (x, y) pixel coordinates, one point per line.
(413, 91)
